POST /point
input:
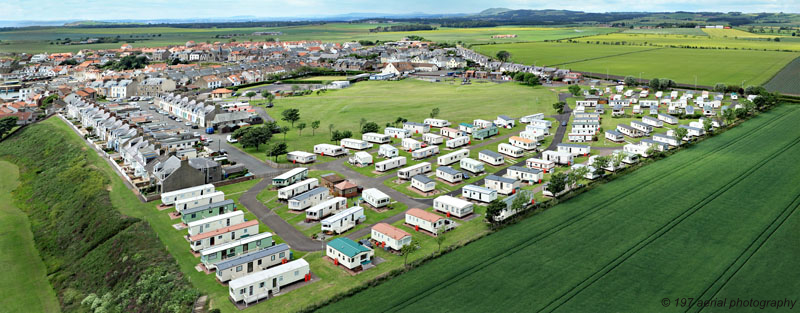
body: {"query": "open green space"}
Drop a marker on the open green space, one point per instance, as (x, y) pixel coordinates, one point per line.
(712, 38)
(554, 54)
(23, 281)
(786, 81)
(692, 217)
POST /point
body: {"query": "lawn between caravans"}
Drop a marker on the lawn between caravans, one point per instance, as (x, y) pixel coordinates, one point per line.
(681, 227)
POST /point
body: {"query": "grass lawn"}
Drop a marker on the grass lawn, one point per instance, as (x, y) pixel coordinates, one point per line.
(325, 78)
(690, 216)
(24, 282)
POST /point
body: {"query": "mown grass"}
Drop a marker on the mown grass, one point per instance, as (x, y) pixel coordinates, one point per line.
(671, 228)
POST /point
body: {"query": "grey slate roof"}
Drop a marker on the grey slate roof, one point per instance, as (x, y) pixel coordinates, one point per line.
(448, 170)
(207, 206)
(422, 178)
(500, 179)
(491, 154)
(310, 194)
(221, 266)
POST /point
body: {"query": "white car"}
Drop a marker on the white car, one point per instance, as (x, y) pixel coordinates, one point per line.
(232, 140)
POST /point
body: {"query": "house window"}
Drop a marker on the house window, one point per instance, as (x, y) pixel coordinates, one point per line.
(261, 285)
(239, 268)
(259, 262)
(241, 292)
(296, 273)
(281, 254)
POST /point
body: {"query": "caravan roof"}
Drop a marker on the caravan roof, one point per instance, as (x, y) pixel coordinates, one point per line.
(221, 266)
(259, 276)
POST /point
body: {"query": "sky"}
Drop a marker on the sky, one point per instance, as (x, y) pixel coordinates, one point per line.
(44, 10)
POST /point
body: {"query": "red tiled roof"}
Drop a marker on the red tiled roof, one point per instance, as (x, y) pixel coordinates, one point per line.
(223, 230)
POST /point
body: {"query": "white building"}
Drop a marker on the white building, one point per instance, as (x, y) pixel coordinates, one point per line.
(452, 206)
(376, 198)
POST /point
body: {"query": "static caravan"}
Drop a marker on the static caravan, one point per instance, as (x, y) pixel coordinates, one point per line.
(466, 128)
(653, 122)
(206, 211)
(427, 221)
(532, 136)
(416, 169)
(580, 137)
(524, 174)
(540, 123)
(509, 150)
(575, 150)
(254, 262)
(615, 136)
(190, 203)
(326, 149)
(491, 157)
(693, 131)
(449, 174)
(292, 190)
(539, 130)
(301, 157)
(600, 109)
(504, 121)
(479, 123)
(558, 157)
(452, 157)
(376, 138)
(635, 149)
(355, 144)
(457, 142)
(544, 165)
(587, 115)
(388, 151)
(484, 133)
(666, 118)
(215, 222)
(344, 220)
(435, 122)
(376, 198)
(432, 139)
(660, 146)
(265, 284)
(473, 166)
(478, 193)
(389, 236)
(648, 103)
(452, 206)
(629, 131)
(502, 185)
(509, 211)
(672, 141)
(211, 256)
(423, 183)
(416, 128)
(609, 166)
(169, 198)
(223, 235)
(529, 118)
(348, 253)
(586, 103)
(591, 174)
(643, 127)
(327, 207)
(290, 177)
(450, 132)
(309, 199)
(425, 152)
(361, 158)
(396, 132)
(390, 164)
(410, 144)
(523, 143)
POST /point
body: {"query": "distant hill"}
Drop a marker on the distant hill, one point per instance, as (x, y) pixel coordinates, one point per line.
(493, 11)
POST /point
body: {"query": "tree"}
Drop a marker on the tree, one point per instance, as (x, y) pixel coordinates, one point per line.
(255, 137)
(409, 249)
(300, 128)
(250, 95)
(347, 134)
(616, 160)
(729, 115)
(680, 133)
(503, 55)
(7, 124)
(630, 81)
(574, 89)
(559, 107)
(600, 163)
(720, 87)
(557, 184)
(521, 201)
(440, 239)
(399, 120)
(314, 126)
(285, 130)
(277, 150)
(291, 115)
(237, 134)
(749, 106)
(370, 127)
(434, 113)
(519, 76)
(654, 84)
(493, 211)
(707, 125)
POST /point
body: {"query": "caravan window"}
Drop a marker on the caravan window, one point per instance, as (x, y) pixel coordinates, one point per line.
(261, 285)
(281, 254)
(273, 257)
(239, 268)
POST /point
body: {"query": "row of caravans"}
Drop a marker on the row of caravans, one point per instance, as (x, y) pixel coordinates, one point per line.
(169, 198)
(297, 188)
(325, 208)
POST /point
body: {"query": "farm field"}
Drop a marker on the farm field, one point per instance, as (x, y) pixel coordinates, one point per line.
(24, 281)
(717, 40)
(383, 101)
(37, 40)
(668, 31)
(697, 230)
(786, 81)
(555, 54)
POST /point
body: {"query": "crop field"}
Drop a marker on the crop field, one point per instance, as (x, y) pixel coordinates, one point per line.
(682, 65)
(787, 80)
(714, 40)
(37, 40)
(707, 235)
(383, 101)
(668, 31)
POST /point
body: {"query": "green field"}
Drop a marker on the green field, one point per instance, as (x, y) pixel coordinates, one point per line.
(682, 65)
(786, 81)
(24, 279)
(712, 38)
(685, 226)
(668, 31)
(383, 101)
(36, 40)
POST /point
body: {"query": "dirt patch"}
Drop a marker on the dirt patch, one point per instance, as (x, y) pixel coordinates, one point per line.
(179, 226)
(174, 215)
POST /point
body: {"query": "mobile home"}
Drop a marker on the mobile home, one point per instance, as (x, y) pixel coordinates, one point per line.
(573, 149)
(666, 118)
(539, 130)
(376, 138)
(430, 222)
(376, 198)
(466, 128)
(301, 157)
(672, 141)
(478, 193)
(344, 220)
(169, 198)
(389, 236)
(452, 206)
(254, 262)
(361, 158)
(450, 132)
(636, 149)
(491, 157)
(290, 177)
(532, 136)
(309, 199)
(652, 121)
(504, 121)
(215, 222)
(503, 185)
(189, 203)
(432, 139)
(410, 144)
(629, 131)
(416, 169)
(457, 142)
(326, 149)
(423, 183)
(355, 144)
(693, 131)
(545, 165)
(486, 132)
(211, 256)
(558, 157)
(388, 151)
(509, 150)
(297, 188)
(416, 128)
(265, 284)
(473, 166)
(449, 174)
(540, 123)
(529, 118)
(643, 127)
(523, 143)
(452, 157)
(223, 235)
(425, 152)
(614, 136)
(208, 210)
(327, 207)
(390, 164)
(524, 174)
(348, 253)
(435, 122)
(479, 123)
(396, 132)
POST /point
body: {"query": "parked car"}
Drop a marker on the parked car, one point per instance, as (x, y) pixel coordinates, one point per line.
(187, 123)
(564, 123)
(231, 139)
(270, 105)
